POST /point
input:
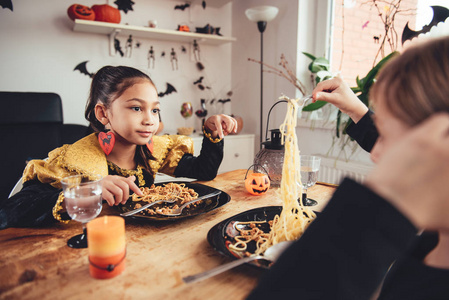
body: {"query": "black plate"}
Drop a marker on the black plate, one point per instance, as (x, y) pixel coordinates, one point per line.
(223, 233)
(203, 207)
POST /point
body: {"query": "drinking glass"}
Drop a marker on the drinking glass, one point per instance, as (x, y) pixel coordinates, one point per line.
(82, 197)
(310, 166)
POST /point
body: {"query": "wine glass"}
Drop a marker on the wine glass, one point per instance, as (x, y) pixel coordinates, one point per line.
(310, 166)
(82, 197)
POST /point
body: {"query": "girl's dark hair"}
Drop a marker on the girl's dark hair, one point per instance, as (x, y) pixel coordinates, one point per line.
(415, 83)
(108, 84)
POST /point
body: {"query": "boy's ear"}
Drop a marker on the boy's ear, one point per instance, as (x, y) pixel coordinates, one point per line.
(100, 114)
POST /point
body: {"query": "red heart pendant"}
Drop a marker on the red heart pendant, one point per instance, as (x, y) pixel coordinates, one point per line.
(107, 141)
(150, 146)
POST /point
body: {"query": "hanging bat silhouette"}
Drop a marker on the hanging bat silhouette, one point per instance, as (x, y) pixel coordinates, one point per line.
(199, 80)
(224, 100)
(117, 47)
(203, 4)
(183, 49)
(170, 89)
(440, 14)
(124, 5)
(163, 54)
(6, 4)
(182, 7)
(83, 69)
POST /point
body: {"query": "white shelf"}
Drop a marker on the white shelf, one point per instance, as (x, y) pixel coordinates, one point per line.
(112, 29)
(212, 3)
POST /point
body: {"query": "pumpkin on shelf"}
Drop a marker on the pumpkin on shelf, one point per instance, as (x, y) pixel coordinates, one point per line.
(106, 13)
(257, 183)
(82, 12)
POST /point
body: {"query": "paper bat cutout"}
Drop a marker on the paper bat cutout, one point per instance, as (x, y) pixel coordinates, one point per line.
(203, 4)
(83, 69)
(199, 80)
(170, 89)
(124, 5)
(182, 6)
(6, 4)
(224, 100)
(440, 14)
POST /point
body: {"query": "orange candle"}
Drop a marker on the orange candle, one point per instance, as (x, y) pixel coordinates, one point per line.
(106, 246)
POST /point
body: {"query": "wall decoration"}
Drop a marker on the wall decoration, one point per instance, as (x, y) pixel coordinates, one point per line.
(124, 5)
(173, 59)
(196, 50)
(82, 12)
(208, 29)
(6, 4)
(440, 14)
(203, 4)
(106, 13)
(150, 57)
(199, 84)
(129, 46)
(199, 66)
(138, 44)
(117, 47)
(183, 49)
(83, 69)
(182, 6)
(163, 54)
(170, 89)
(365, 25)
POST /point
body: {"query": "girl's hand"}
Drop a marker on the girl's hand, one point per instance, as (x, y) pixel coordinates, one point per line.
(116, 189)
(338, 93)
(220, 125)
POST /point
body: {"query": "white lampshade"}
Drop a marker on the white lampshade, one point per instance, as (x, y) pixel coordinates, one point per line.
(262, 13)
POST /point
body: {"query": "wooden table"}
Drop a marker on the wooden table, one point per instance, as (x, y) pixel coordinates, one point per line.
(36, 263)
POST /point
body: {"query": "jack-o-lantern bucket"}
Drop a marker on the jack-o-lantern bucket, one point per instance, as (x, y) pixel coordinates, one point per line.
(257, 183)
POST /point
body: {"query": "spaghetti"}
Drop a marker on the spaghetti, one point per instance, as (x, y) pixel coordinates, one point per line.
(294, 219)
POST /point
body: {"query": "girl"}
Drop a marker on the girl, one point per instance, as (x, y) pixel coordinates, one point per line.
(123, 109)
(350, 247)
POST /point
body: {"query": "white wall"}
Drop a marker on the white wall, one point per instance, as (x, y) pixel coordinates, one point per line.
(40, 50)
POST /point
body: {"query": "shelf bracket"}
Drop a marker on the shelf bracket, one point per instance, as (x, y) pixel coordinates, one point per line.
(112, 36)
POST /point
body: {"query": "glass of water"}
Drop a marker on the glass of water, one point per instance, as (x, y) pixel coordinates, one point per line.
(310, 165)
(82, 197)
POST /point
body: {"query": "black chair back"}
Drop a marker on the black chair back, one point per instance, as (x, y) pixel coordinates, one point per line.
(31, 125)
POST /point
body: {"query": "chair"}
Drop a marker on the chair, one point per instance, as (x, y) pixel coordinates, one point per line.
(31, 125)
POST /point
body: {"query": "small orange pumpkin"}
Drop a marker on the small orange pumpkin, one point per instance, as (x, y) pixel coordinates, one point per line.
(257, 183)
(78, 11)
(106, 13)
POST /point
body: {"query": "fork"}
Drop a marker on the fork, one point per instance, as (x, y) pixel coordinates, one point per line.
(177, 211)
(135, 211)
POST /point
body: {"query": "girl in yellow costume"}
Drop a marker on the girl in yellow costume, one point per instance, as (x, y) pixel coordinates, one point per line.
(123, 101)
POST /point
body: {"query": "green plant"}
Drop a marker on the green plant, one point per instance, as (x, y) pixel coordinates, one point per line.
(318, 65)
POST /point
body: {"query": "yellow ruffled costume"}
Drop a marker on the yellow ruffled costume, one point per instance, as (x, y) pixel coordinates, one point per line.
(87, 158)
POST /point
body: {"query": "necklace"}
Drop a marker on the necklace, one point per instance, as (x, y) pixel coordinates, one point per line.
(126, 173)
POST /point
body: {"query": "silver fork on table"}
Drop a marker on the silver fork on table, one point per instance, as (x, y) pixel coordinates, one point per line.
(135, 211)
(177, 211)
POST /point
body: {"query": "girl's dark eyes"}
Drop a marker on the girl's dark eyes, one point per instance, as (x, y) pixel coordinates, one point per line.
(156, 111)
(136, 108)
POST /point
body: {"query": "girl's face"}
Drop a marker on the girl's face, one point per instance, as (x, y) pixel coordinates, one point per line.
(390, 129)
(134, 116)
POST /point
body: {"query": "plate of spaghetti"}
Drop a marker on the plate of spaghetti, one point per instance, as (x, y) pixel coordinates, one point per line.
(182, 192)
(252, 232)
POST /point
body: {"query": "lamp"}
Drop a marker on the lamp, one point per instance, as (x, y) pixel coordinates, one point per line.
(261, 15)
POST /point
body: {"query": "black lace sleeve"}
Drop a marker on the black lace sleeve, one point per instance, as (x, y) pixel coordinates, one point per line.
(30, 207)
(204, 166)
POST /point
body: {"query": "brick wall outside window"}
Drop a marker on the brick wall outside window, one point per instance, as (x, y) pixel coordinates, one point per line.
(361, 24)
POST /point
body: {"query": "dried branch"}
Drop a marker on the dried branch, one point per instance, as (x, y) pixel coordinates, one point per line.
(286, 72)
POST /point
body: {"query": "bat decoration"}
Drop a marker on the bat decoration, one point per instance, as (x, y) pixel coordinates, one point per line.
(6, 4)
(200, 66)
(137, 44)
(83, 69)
(117, 47)
(163, 54)
(203, 4)
(440, 14)
(124, 5)
(170, 89)
(377, 39)
(183, 49)
(182, 6)
(199, 80)
(224, 100)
